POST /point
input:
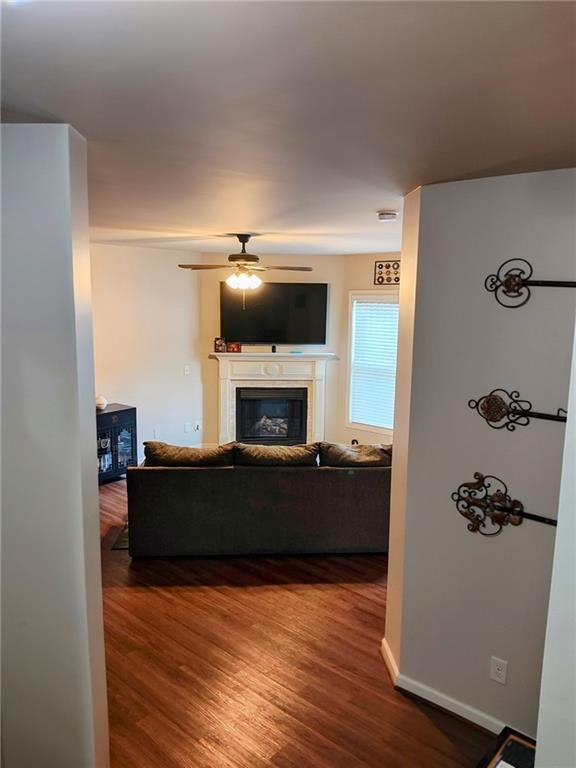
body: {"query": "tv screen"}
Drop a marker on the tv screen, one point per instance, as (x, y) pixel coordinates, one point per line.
(275, 313)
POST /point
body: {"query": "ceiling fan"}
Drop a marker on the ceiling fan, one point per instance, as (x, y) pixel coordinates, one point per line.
(245, 265)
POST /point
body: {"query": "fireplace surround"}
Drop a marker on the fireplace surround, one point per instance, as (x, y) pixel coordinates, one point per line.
(272, 371)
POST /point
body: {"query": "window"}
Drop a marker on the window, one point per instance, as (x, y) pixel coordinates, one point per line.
(373, 342)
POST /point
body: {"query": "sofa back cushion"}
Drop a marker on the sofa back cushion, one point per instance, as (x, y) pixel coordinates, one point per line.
(165, 455)
(276, 455)
(339, 455)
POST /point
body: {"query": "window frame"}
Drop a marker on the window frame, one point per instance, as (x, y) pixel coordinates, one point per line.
(388, 295)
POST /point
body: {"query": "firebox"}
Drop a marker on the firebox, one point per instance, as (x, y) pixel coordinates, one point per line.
(271, 415)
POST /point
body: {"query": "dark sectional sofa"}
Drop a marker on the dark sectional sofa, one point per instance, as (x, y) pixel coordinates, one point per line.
(246, 508)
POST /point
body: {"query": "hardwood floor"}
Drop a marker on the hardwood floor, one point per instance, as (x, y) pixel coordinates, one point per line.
(113, 512)
(251, 662)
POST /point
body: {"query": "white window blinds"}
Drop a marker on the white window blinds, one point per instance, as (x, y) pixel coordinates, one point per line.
(374, 338)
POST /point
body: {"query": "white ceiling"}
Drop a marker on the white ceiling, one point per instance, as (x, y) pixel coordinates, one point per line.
(300, 119)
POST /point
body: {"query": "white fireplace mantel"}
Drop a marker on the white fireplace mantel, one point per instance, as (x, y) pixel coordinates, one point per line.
(269, 369)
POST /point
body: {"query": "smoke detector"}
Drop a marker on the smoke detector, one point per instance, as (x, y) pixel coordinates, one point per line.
(387, 214)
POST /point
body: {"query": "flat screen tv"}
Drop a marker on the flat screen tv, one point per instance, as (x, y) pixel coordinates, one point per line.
(275, 313)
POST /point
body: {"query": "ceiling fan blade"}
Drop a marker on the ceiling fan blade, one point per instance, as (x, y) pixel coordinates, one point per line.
(204, 266)
(293, 269)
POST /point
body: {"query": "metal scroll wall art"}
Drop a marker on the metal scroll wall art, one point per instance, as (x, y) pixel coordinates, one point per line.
(512, 283)
(485, 501)
(506, 410)
(488, 507)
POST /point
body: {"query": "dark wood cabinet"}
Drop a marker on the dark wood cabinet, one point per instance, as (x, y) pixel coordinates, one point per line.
(116, 441)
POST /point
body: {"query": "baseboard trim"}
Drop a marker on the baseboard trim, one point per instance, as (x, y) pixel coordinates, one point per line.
(439, 699)
(465, 711)
(389, 661)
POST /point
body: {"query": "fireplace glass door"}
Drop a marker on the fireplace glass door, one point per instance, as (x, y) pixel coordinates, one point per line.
(271, 416)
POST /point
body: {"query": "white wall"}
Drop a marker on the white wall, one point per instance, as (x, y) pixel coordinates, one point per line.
(556, 747)
(402, 436)
(151, 319)
(54, 697)
(145, 333)
(460, 598)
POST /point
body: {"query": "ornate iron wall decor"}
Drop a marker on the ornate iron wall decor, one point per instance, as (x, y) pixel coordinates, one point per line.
(486, 504)
(488, 507)
(505, 410)
(511, 284)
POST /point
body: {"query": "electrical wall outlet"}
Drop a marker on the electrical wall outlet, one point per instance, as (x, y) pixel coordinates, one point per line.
(197, 426)
(187, 370)
(187, 426)
(498, 670)
(155, 433)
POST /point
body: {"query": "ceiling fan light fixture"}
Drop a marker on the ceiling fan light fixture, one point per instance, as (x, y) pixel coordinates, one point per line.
(243, 281)
(255, 282)
(243, 264)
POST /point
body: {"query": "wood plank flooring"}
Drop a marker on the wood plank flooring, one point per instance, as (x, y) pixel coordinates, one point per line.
(252, 662)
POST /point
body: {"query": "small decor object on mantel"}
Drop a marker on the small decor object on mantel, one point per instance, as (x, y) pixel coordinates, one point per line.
(387, 272)
(219, 344)
(101, 403)
(233, 346)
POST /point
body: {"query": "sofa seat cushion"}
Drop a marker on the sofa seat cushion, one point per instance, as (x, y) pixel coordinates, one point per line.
(165, 455)
(339, 455)
(276, 455)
